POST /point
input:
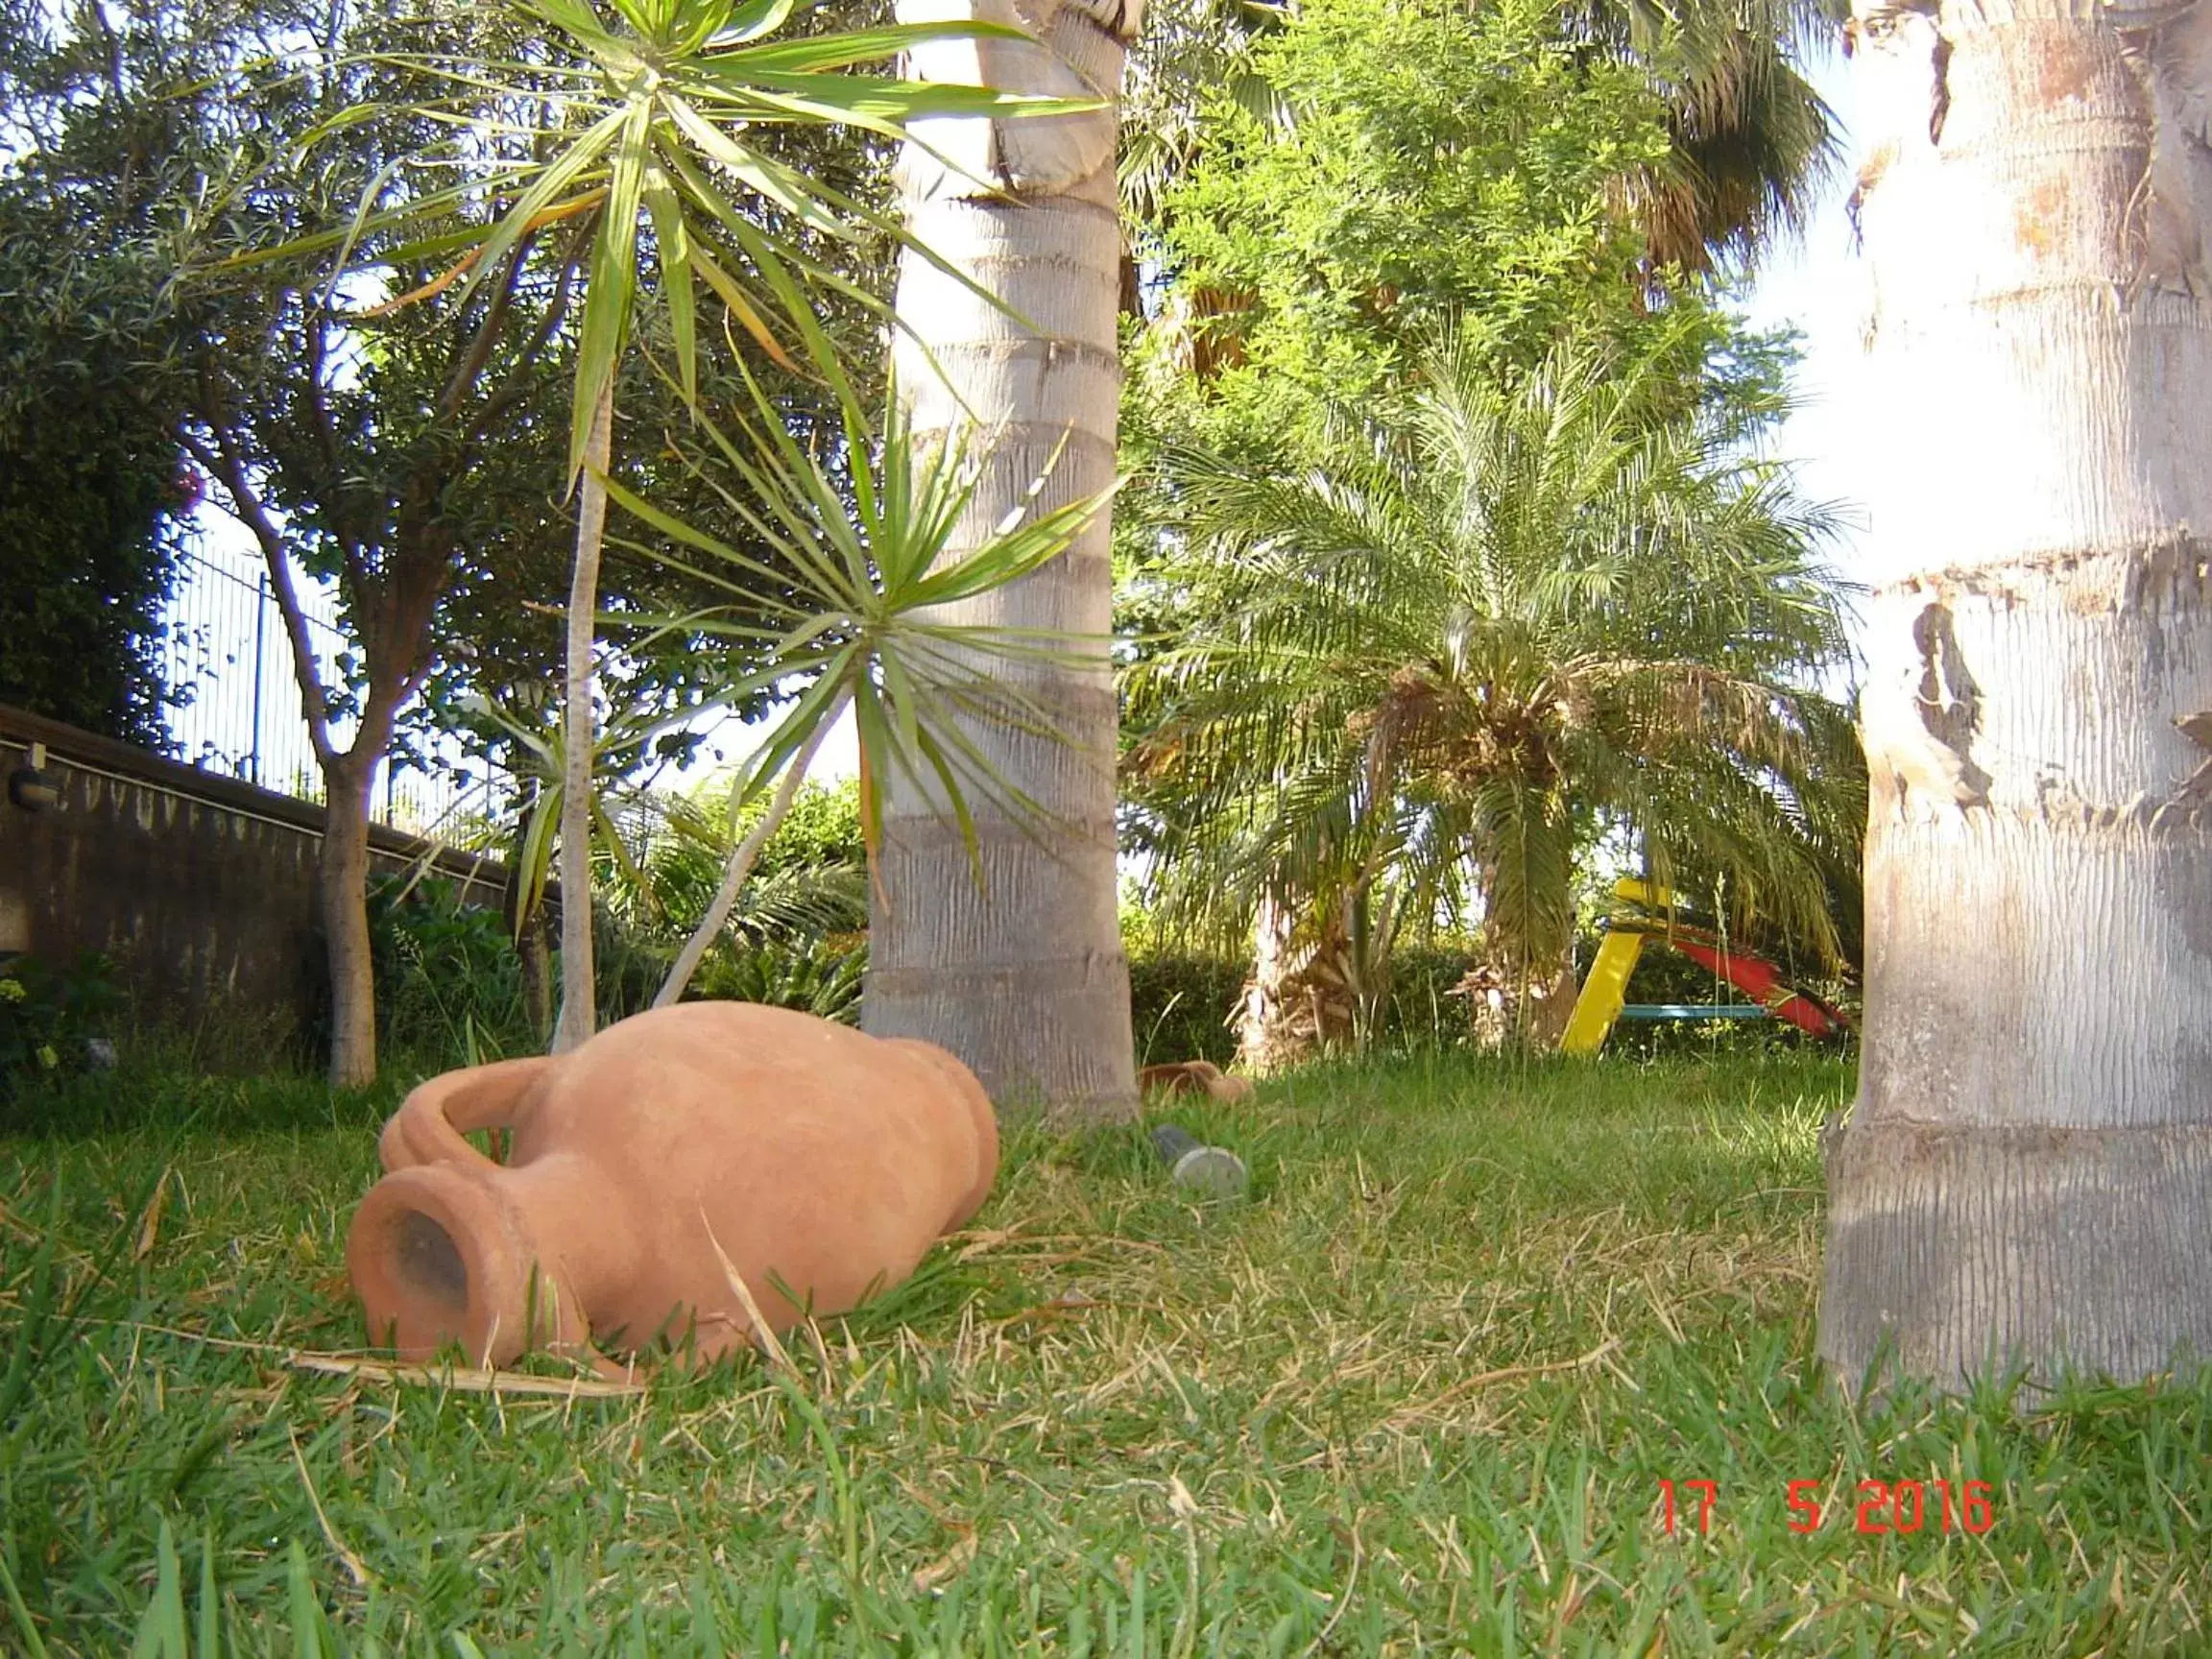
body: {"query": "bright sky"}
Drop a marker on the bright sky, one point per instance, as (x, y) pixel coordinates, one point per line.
(1819, 287)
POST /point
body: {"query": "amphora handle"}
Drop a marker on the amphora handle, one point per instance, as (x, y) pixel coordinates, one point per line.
(432, 1123)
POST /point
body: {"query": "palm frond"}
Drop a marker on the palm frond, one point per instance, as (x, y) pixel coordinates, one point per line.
(1523, 609)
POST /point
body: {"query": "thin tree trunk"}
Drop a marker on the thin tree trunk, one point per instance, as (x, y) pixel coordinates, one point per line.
(1267, 1024)
(579, 733)
(525, 919)
(342, 894)
(2026, 1174)
(1021, 975)
(743, 859)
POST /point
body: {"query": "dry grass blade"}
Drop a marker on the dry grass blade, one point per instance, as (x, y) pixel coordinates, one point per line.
(947, 1566)
(775, 1349)
(1185, 1509)
(355, 1570)
(465, 1379)
(150, 1228)
(1066, 1306)
(1504, 1374)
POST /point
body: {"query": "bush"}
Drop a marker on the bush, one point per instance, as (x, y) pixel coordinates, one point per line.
(50, 1017)
(1180, 1008)
(629, 965)
(821, 976)
(448, 977)
(1423, 1013)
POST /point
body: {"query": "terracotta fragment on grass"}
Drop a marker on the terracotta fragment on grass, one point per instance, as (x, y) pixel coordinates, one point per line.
(1194, 1077)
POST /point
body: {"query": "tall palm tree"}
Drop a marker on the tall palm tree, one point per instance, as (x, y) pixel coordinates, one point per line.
(1508, 615)
(1752, 143)
(2027, 1173)
(1021, 973)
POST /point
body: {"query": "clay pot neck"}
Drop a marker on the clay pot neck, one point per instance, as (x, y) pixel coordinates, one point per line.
(498, 1260)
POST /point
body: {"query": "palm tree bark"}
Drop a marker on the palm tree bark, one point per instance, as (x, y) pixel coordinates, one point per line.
(579, 1012)
(1302, 998)
(2026, 1175)
(1270, 1032)
(1022, 973)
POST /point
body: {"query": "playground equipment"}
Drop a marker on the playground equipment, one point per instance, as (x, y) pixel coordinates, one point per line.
(1652, 913)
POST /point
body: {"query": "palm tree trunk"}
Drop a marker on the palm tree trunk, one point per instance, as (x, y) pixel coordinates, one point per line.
(2027, 1171)
(579, 1014)
(1520, 998)
(1021, 975)
(1270, 1030)
(1527, 993)
(1304, 995)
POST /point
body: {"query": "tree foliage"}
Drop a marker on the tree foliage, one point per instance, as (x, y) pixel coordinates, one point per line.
(1419, 162)
(90, 489)
(1749, 141)
(1512, 613)
(90, 480)
(415, 456)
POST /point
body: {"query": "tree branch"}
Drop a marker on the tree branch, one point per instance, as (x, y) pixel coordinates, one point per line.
(469, 362)
(222, 462)
(515, 385)
(338, 510)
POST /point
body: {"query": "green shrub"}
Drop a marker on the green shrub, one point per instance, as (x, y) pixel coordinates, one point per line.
(50, 1017)
(629, 964)
(448, 977)
(1423, 1013)
(1180, 1008)
(820, 977)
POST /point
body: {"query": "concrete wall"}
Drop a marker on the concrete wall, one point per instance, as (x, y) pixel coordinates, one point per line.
(201, 887)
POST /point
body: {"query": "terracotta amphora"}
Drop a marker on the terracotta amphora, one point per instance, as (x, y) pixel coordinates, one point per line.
(821, 1162)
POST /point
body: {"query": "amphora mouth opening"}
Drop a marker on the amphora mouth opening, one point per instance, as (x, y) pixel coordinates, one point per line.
(438, 1257)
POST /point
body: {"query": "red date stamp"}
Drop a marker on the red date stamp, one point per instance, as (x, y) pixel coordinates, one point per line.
(1883, 1507)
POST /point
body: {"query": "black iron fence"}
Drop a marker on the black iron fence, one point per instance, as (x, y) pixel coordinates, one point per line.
(226, 649)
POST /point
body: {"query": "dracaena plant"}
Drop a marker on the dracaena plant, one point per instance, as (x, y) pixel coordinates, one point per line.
(646, 131)
(854, 558)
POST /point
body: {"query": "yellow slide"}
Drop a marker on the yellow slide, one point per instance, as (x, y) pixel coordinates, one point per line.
(1605, 990)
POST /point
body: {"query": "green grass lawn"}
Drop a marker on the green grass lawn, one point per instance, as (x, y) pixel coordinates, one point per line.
(1417, 1396)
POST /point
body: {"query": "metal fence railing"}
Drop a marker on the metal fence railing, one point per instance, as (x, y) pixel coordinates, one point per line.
(224, 647)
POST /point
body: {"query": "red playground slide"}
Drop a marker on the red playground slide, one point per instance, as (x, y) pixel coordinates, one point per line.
(1760, 980)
